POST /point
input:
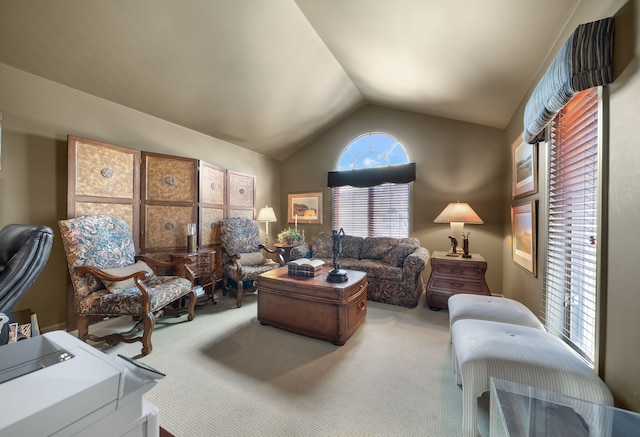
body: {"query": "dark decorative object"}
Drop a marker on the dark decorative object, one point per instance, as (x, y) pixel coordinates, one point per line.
(454, 246)
(465, 246)
(337, 274)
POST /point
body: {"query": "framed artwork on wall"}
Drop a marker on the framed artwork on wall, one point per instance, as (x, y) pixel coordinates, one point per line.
(523, 236)
(524, 168)
(304, 208)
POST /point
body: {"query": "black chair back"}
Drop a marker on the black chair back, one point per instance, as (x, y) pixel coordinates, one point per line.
(24, 251)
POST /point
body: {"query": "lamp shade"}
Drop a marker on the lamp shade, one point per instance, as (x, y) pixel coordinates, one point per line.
(266, 214)
(459, 213)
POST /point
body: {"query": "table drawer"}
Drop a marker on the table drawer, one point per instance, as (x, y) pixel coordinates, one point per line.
(459, 271)
(456, 285)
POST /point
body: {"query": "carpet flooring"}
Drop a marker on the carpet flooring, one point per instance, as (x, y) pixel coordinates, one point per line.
(228, 375)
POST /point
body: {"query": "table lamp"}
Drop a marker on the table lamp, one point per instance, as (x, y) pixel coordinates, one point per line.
(457, 214)
(266, 215)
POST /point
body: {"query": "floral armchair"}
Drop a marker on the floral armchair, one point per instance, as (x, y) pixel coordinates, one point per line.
(242, 254)
(109, 280)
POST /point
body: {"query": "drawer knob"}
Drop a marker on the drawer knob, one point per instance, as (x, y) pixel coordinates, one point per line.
(361, 306)
(457, 284)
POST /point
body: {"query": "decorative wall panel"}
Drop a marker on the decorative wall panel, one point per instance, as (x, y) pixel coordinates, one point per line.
(241, 212)
(169, 190)
(242, 190)
(103, 179)
(209, 219)
(212, 184)
(166, 227)
(104, 172)
(169, 179)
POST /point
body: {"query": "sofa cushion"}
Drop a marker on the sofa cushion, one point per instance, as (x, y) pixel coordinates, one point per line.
(351, 246)
(374, 269)
(322, 245)
(397, 255)
(377, 247)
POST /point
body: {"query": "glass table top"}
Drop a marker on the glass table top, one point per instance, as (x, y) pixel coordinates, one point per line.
(519, 410)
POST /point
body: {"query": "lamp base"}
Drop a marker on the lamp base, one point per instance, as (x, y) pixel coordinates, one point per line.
(452, 254)
(466, 255)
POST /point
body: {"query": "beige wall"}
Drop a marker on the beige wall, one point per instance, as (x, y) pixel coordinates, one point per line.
(620, 365)
(37, 117)
(454, 160)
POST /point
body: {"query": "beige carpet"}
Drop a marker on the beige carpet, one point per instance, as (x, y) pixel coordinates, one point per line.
(228, 375)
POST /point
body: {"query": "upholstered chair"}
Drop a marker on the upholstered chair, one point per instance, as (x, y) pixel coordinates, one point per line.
(243, 256)
(110, 280)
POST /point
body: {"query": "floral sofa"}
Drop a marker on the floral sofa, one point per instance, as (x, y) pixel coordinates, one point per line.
(394, 266)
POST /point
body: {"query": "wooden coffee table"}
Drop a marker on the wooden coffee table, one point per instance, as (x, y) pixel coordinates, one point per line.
(312, 306)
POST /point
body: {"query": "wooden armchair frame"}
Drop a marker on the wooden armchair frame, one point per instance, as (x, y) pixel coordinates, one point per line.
(146, 320)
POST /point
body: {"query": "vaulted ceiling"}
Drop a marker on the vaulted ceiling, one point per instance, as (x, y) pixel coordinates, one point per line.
(270, 75)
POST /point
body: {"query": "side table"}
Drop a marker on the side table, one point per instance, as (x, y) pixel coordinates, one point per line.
(202, 264)
(453, 275)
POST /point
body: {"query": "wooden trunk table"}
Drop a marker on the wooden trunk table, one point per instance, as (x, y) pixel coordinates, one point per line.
(312, 306)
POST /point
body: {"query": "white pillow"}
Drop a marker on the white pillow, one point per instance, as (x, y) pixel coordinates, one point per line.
(115, 286)
(252, 259)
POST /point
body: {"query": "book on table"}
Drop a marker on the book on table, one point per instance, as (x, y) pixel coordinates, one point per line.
(305, 267)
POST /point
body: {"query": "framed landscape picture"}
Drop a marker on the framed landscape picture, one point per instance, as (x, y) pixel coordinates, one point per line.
(305, 208)
(524, 168)
(523, 236)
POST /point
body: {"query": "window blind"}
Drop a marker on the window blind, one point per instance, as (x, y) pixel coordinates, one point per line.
(380, 211)
(571, 270)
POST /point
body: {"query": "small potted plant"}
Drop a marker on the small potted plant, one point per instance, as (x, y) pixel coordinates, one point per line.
(291, 236)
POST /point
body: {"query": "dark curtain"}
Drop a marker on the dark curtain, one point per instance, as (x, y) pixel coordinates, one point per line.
(370, 177)
(585, 61)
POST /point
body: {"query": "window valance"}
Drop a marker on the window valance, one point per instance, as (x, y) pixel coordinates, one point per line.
(370, 177)
(584, 61)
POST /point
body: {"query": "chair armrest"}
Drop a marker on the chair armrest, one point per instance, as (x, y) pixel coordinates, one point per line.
(101, 274)
(158, 263)
(138, 277)
(279, 251)
(235, 258)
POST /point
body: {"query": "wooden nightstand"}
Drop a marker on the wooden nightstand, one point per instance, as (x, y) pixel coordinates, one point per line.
(203, 265)
(453, 275)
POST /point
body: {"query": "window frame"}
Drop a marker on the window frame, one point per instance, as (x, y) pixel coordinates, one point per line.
(601, 179)
(367, 194)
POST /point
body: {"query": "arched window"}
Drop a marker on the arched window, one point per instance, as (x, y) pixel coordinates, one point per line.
(375, 210)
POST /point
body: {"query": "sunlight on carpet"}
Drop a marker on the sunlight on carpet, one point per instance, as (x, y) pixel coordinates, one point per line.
(229, 375)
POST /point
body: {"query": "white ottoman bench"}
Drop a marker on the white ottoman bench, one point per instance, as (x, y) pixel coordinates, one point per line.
(496, 309)
(520, 354)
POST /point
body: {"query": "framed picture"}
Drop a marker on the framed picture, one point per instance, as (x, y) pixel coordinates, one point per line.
(523, 236)
(305, 208)
(524, 168)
